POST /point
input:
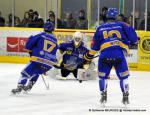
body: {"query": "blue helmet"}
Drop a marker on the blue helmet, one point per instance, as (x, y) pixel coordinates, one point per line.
(48, 26)
(112, 13)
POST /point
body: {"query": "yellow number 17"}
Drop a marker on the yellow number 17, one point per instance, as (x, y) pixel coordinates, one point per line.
(48, 46)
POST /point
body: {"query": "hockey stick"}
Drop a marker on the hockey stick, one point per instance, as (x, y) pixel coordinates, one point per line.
(58, 67)
(96, 56)
(69, 65)
(46, 84)
(93, 57)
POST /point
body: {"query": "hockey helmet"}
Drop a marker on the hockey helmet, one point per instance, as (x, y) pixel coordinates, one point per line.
(48, 26)
(77, 38)
(112, 13)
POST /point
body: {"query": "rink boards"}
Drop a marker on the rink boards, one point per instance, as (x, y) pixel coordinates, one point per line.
(12, 42)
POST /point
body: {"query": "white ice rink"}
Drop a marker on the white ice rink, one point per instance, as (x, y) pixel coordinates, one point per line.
(71, 97)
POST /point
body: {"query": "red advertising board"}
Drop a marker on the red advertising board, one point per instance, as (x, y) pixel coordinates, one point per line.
(22, 43)
(12, 44)
(16, 44)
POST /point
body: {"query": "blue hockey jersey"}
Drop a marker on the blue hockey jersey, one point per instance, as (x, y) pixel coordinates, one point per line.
(43, 48)
(113, 35)
(73, 55)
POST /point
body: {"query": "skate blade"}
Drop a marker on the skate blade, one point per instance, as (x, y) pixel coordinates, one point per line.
(47, 87)
(26, 92)
(103, 104)
(126, 104)
(13, 93)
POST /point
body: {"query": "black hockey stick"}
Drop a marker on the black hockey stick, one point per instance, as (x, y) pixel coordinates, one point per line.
(59, 67)
(93, 57)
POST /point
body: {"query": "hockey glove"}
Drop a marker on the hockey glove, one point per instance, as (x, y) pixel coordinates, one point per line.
(89, 55)
(30, 53)
(86, 61)
(133, 45)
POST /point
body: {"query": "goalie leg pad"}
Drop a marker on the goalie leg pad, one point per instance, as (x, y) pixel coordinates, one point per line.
(81, 74)
(65, 72)
(87, 74)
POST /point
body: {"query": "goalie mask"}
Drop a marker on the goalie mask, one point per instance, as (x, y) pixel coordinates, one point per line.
(77, 38)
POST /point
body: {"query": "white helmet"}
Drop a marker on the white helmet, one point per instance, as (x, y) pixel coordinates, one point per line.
(77, 38)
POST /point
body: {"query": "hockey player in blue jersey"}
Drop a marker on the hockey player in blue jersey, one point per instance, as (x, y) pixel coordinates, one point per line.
(72, 55)
(112, 39)
(42, 49)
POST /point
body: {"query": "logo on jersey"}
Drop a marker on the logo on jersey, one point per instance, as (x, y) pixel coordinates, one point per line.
(41, 52)
(145, 44)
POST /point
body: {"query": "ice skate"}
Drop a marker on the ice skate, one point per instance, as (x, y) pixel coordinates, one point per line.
(18, 89)
(125, 99)
(103, 99)
(29, 86)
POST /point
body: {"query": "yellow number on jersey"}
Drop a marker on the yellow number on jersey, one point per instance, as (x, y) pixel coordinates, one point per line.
(46, 43)
(110, 33)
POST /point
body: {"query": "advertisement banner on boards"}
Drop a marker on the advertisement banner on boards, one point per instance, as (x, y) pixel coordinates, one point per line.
(132, 57)
(14, 42)
(144, 49)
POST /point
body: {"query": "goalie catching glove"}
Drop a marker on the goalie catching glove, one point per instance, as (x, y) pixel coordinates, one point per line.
(89, 55)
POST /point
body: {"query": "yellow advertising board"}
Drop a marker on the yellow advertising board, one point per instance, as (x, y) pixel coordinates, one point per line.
(144, 50)
(66, 35)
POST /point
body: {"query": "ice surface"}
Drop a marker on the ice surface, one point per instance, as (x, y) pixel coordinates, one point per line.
(71, 97)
